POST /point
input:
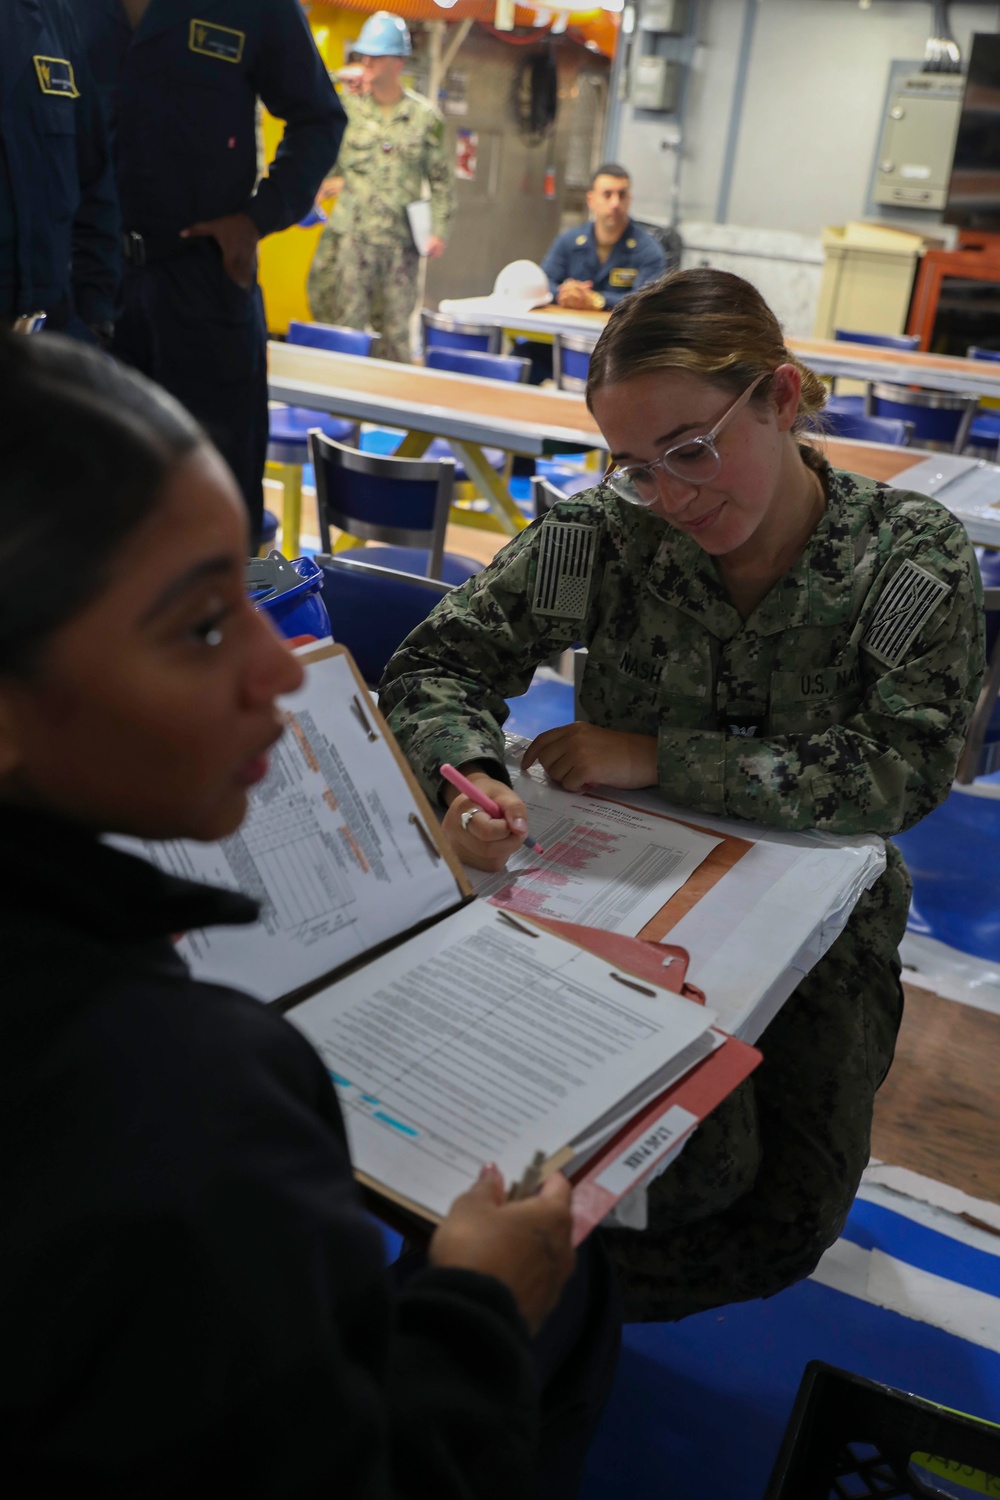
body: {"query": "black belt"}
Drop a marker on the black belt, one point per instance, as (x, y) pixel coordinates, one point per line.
(143, 250)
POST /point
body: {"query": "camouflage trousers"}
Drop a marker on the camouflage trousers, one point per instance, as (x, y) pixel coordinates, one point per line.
(360, 285)
(765, 1185)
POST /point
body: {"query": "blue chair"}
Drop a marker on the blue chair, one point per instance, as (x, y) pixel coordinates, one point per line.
(268, 532)
(940, 419)
(403, 502)
(332, 337)
(951, 854)
(981, 756)
(571, 361)
(861, 405)
(905, 342)
(289, 426)
(486, 367)
(866, 429)
(373, 609)
(444, 332)
(984, 434)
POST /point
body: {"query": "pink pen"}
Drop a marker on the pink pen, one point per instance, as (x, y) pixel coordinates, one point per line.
(481, 800)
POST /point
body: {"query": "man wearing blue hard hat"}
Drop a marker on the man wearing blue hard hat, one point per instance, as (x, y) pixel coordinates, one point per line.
(365, 270)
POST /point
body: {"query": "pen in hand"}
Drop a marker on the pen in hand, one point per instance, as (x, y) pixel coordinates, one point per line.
(481, 800)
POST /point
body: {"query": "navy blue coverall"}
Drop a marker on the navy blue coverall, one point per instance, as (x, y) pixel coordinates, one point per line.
(181, 91)
(632, 261)
(59, 250)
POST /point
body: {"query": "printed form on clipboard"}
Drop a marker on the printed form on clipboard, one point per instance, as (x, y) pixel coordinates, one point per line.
(454, 1032)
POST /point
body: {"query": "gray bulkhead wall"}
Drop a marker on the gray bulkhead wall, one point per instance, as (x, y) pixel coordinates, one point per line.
(504, 214)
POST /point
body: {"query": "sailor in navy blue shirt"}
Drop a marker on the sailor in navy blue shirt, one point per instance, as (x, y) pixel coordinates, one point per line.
(181, 79)
(598, 264)
(59, 226)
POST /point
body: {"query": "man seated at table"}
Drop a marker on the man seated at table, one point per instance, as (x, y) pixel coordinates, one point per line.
(595, 265)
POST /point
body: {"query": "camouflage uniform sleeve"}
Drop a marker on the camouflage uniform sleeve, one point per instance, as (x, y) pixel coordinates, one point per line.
(438, 171)
(444, 690)
(893, 760)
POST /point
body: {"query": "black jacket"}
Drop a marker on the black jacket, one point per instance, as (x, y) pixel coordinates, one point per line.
(59, 225)
(191, 1298)
(181, 93)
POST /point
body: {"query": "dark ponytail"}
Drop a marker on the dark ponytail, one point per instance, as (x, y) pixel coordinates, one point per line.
(85, 448)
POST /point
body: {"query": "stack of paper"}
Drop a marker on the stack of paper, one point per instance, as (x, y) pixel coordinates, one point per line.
(454, 1032)
(758, 911)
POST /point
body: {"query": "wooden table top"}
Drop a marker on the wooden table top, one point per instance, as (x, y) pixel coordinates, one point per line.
(942, 372)
(495, 412)
(876, 460)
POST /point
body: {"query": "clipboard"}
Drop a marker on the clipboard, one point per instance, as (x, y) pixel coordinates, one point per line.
(342, 763)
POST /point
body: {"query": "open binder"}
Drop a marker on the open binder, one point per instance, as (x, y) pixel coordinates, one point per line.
(455, 1032)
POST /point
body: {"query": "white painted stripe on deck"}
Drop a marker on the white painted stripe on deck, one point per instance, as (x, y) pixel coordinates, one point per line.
(949, 973)
(935, 1205)
(880, 1279)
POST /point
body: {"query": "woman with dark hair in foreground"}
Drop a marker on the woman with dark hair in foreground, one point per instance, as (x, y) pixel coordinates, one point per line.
(190, 1293)
(768, 638)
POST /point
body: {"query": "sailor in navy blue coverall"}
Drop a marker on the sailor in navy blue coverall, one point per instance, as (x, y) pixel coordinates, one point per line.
(597, 264)
(631, 261)
(181, 80)
(59, 251)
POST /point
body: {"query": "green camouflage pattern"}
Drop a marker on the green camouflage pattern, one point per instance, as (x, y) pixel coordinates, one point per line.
(842, 741)
(384, 160)
(364, 272)
(766, 1183)
(841, 703)
(356, 285)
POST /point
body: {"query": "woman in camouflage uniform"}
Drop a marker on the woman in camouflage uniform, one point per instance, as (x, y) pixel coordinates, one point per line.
(769, 638)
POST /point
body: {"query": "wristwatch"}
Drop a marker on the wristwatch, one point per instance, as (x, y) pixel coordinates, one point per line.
(600, 301)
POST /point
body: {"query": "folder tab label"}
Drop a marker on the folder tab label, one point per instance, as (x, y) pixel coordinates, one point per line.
(637, 1159)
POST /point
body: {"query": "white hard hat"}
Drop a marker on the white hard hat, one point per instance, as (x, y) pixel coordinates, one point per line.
(521, 286)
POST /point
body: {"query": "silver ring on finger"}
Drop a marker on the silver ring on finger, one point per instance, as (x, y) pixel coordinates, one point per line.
(467, 817)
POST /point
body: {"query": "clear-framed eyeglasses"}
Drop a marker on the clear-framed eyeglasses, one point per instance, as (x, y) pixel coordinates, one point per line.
(696, 460)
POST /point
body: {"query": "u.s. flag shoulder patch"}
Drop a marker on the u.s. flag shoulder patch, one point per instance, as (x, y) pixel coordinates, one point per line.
(906, 605)
(565, 568)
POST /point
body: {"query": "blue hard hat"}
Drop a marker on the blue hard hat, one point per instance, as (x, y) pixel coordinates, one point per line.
(383, 35)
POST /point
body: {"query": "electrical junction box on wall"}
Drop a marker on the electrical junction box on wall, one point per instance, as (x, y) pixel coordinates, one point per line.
(918, 140)
(665, 17)
(656, 83)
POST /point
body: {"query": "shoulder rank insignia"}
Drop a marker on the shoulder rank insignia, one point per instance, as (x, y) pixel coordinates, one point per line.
(55, 76)
(220, 42)
(907, 602)
(581, 239)
(630, 244)
(565, 567)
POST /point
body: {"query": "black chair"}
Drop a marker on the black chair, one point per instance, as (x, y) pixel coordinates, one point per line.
(668, 239)
(851, 1437)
